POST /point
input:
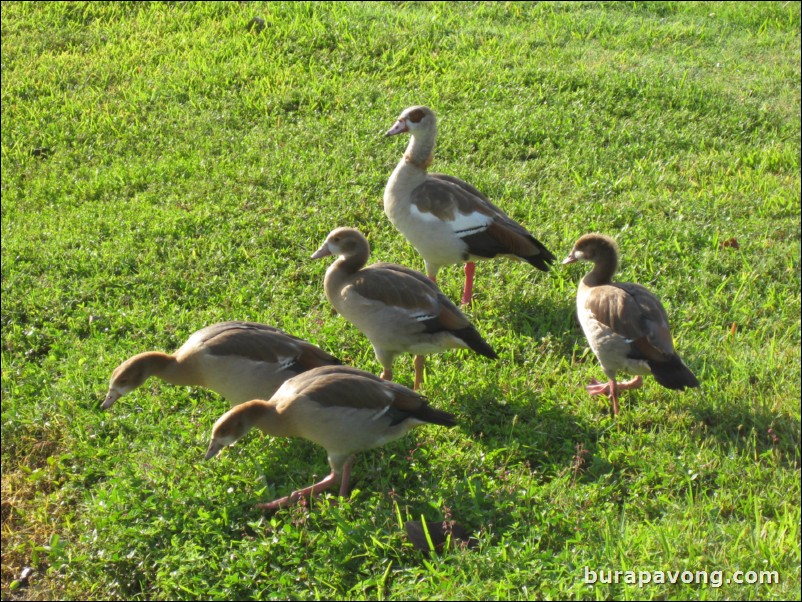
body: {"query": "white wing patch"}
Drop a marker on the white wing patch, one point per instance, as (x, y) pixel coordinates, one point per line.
(465, 225)
(285, 362)
(461, 225)
(390, 396)
(424, 216)
(380, 413)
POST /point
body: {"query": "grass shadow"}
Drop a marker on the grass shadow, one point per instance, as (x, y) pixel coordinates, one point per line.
(751, 427)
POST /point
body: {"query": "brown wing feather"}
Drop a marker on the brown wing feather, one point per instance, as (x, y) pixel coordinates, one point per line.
(467, 195)
(402, 287)
(444, 196)
(423, 279)
(341, 386)
(513, 240)
(262, 343)
(253, 341)
(349, 388)
(449, 316)
(468, 199)
(635, 313)
(399, 286)
(313, 356)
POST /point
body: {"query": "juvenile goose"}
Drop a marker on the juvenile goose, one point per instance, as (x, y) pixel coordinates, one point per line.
(238, 360)
(342, 409)
(398, 309)
(625, 324)
(447, 220)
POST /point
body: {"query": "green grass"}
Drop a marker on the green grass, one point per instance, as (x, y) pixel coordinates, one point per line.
(164, 167)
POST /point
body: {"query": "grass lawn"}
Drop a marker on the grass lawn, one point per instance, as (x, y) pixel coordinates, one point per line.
(170, 165)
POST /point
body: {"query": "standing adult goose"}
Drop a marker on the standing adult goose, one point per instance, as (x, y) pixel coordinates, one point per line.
(239, 360)
(398, 309)
(342, 409)
(447, 220)
(625, 324)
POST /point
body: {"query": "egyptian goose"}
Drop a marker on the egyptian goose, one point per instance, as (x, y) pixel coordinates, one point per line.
(397, 308)
(625, 324)
(447, 220)
(343, 409)
(239, 360)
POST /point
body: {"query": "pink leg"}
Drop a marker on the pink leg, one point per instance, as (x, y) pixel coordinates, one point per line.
(297, 495)
(346, 478)
(467, 292)
(611, 389)
(387, 374)
(635, 383)
(420, 362)
(597, 388)
(614, 396)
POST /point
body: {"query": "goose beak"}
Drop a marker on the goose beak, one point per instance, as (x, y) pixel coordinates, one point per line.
(323, 251)
(570, 259)
(214, 449)
(399, 128)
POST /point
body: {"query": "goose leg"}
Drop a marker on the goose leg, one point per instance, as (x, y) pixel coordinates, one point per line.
(635, 383)
(345, 480)
(614, 396)
(293, 498)
(598, 388)
(431, 271)
(420, 362)
(386, 360)
(612, 387)
(467, 292)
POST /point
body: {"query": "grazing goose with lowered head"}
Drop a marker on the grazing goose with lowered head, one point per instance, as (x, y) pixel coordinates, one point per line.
(238, 360)
(625, 324)
(398, 309)
(447, 220)
(342, 409)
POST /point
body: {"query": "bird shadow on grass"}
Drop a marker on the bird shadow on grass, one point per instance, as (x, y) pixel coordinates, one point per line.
(543, 435)
(749, 426)
(291, 464)
(535, 318)
(524, 445)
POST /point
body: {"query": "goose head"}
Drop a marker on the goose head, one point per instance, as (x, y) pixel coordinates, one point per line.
(345, 243)
(594, 248)
(126, 377)
(234, 425)
(414, 120)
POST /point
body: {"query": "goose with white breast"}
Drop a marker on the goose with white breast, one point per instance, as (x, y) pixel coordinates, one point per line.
(398, 309)
(446, 219)
(344, 410)
(625, 324)
(239, 360)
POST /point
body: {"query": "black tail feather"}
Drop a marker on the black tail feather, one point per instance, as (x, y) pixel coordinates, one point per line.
(423, 412)
(435, 416)
(542, 260)
(673, 374)
(475, 341)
